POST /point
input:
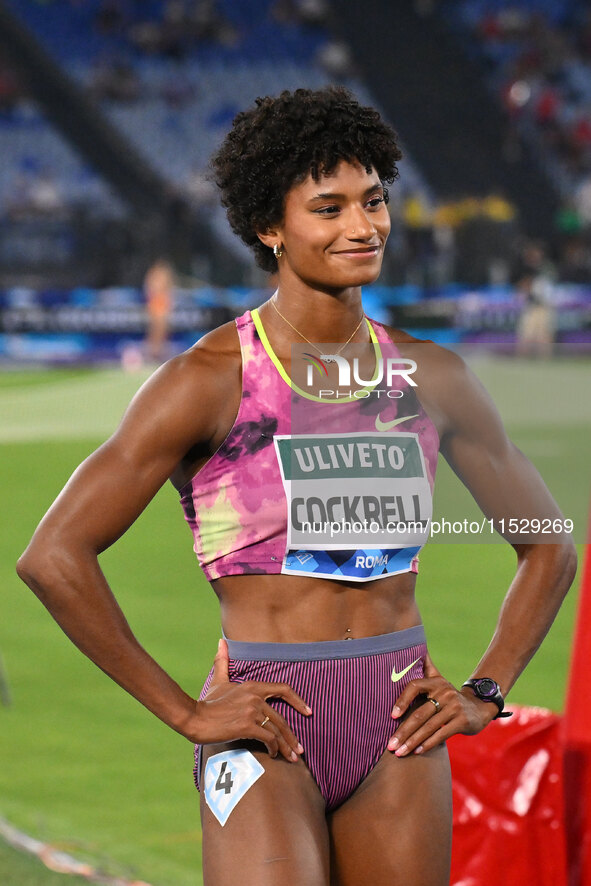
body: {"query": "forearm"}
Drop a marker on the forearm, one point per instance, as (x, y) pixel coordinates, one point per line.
(76, 593)
(543, 577)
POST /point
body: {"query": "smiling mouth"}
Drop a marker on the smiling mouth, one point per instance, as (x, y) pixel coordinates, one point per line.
(365, 251)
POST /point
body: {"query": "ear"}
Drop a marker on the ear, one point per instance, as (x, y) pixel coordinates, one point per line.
(269, 237)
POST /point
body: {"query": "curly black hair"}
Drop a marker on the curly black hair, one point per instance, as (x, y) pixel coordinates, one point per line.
(281, 140)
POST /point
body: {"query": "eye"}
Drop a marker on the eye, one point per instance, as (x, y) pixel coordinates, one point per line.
(327, 210)
(376, 202)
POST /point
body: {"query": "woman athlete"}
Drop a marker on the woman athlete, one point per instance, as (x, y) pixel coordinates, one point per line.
(321, 730)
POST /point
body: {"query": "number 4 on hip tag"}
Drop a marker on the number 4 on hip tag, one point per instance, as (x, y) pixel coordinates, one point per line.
(228, 776)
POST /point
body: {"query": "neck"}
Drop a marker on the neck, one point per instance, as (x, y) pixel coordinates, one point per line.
(318, 315)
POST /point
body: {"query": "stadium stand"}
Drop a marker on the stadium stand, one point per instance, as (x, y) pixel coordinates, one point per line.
(106, 130)
(170, 80)
(535, 56)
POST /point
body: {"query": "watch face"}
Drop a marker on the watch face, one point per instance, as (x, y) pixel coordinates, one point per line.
(486, 688)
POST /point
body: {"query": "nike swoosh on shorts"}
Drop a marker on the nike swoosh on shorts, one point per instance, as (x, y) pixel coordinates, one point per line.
(398, 676)
(387, 425)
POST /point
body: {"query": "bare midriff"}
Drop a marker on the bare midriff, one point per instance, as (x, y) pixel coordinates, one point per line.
(294, 609)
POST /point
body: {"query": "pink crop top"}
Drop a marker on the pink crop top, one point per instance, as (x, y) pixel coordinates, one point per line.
(336, 489)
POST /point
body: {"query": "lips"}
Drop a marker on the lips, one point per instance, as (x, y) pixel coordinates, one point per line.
(361, 251)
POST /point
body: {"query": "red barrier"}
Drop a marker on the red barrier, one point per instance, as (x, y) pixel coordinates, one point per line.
(522, 788)
(577, 754)
(508, 802)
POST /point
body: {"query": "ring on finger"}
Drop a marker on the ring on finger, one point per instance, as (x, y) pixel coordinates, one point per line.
(266, 720)
(434, 702)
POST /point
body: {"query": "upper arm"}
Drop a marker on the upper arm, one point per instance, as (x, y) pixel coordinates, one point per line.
(174, 411)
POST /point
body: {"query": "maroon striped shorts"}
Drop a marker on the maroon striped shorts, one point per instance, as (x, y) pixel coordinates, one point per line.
(350, 687)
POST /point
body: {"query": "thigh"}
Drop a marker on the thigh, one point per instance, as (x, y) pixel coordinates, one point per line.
(396, 827)
(276, 832)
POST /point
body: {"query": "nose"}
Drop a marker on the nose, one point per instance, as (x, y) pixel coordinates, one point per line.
(359, 224)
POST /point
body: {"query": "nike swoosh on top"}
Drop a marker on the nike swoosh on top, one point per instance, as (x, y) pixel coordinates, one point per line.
(387, 425)
(398, 676)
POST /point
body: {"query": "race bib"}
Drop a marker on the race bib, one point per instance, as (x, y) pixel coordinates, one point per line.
(227, 778)
(359, 504)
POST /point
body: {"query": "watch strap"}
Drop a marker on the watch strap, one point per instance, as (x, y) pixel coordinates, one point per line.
(497, 698)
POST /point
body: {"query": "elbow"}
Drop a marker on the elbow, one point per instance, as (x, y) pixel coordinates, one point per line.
(556, 562)
(563, 563)
(25, 566)
(570, 563)
(38, 569)
(30, 568)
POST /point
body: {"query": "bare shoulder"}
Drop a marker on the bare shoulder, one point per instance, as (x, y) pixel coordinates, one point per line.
(404, 342)
(211, 363)
(437, 367)
(433, 353)
(223, 340)
(399, 336)
(214, 362)
(188, 396)
(446, 386)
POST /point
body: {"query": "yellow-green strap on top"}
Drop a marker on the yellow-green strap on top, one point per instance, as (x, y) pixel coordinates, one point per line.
(281, 369)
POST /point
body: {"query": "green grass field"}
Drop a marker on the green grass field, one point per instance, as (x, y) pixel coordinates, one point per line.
(83, 765)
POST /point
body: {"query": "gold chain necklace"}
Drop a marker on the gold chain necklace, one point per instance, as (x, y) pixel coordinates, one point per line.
(301, 334)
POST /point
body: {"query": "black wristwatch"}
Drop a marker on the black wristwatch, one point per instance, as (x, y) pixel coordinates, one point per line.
(487, 690)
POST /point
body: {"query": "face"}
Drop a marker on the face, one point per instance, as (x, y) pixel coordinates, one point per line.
(334, 230)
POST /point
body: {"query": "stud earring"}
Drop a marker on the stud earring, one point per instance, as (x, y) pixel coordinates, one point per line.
(276, 251)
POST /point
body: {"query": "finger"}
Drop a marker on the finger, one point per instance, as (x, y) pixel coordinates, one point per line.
(421, 686)
(415, 720)
(435, 731)
(282, 690)
(416, 728)
(221, 665)
(437, 738)
(285, 748)
(268, 738)
(289, 744)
